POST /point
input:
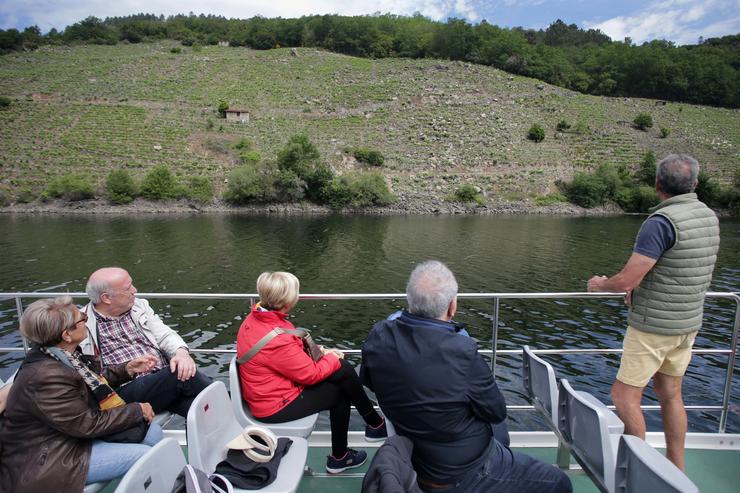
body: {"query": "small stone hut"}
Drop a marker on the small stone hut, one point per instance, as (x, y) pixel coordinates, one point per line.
(237, 115)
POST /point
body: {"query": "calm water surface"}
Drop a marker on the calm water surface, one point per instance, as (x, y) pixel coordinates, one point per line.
(337, 254)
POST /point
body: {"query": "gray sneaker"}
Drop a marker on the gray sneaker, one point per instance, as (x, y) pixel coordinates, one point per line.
(352, 458)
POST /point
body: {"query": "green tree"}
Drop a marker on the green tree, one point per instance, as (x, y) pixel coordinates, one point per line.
(468, 193)
(71, 186)
(248, 183)
(369, 156)
(536, 133)
(222, 107)
(707, 190)
(299, 156)
(643, 121)
(200, 189)
(120, 187)
(646, 171)
(159, 184)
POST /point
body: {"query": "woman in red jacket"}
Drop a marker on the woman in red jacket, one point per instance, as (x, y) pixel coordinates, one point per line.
(282, 383)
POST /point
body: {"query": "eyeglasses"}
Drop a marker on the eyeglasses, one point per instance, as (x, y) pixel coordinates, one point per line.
(83, 321)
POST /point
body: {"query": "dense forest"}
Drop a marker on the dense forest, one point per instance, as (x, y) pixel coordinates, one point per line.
(565, 55)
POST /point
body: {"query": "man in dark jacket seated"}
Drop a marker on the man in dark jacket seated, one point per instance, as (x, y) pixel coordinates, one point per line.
(438, 391)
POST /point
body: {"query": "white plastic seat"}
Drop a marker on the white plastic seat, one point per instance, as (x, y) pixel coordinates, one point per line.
(154, 471)
(541, 385)
(584, 424)
(95, 487)
(538, 377)
(642, 468)
(211, 424)
(297, 428)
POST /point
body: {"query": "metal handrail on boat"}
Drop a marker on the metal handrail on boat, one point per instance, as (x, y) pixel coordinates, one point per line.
(494, 297)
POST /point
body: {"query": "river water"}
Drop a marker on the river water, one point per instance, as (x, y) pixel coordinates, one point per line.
(369, 254)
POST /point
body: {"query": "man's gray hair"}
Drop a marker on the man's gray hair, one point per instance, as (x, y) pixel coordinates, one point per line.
(44, 320)
(677, 174)
(431, 289)
(95, 289)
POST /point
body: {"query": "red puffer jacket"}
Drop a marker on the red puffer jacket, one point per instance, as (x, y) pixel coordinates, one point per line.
(279, 372)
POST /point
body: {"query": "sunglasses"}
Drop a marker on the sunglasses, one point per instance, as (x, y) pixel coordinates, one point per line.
(83, 321)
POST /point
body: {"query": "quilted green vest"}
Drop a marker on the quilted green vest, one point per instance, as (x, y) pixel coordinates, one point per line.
(670, 298)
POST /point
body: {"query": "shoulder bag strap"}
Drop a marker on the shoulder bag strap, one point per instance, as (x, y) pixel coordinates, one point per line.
(266, 339)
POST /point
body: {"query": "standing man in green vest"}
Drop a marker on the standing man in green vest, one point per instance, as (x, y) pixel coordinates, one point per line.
(665, 279)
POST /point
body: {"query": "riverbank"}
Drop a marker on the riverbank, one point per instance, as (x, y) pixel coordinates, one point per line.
(439, 125)
(431, 207)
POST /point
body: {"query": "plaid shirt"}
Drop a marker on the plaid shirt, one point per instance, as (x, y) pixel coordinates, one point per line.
(121, 340)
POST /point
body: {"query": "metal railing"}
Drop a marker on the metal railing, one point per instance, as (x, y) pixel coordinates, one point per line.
(495, 298)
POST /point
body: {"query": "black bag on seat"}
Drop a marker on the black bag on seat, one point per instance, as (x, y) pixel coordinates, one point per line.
(192, 480)
(247, 474)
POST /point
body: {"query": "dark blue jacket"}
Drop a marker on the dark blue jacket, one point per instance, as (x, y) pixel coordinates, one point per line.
(436, 389)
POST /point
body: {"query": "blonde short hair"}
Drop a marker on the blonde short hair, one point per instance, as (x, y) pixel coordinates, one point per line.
(44, 320)
(278, 290)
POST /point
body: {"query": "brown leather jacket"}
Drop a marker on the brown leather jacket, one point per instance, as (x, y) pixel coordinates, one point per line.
(47, 429)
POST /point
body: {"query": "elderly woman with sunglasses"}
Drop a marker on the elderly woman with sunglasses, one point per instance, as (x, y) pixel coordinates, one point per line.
(61, 409)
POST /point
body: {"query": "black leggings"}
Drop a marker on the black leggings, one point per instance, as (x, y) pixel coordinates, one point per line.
(336, 393)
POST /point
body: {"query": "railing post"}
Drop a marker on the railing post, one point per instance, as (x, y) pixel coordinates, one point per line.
(19, 309)
(494, 335)
(730, 368)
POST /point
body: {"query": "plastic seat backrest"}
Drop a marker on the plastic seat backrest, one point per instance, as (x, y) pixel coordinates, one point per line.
(154, 471)
(210, 425)
(584, 426)
(540, 383)
(299, 427)
(642, 468)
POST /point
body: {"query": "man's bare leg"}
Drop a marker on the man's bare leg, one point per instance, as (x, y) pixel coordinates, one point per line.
(675, 423)
(627, 399)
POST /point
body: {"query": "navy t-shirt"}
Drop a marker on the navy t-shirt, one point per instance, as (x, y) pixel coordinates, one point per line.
(655, 237)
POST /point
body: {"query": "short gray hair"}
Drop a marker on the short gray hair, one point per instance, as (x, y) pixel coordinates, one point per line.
(44, 320)
(431, 289)
(677, 174)
(98, 284)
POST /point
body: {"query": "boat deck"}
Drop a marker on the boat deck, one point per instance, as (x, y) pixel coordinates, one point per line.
(353, 483)
(713, 471)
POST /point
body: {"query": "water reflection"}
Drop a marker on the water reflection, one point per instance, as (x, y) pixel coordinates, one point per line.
(335, 254)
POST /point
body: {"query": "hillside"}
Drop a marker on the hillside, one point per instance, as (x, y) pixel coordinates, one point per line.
(438, 123)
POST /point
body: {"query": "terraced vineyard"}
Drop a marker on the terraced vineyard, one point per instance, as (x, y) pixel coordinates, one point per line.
(438, 123)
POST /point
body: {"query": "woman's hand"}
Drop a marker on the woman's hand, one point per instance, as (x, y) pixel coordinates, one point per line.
(147, 411)
(141, 364)
(335, 352)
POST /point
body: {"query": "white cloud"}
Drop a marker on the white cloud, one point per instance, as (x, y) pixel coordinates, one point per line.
(681, 21)
(519, 3)
(463, 8)
(60, 13)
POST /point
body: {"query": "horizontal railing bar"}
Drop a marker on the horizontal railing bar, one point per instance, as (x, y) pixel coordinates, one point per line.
(350, 296)
(213, 351)
(645, 407)
(489, 352)
(592, 351)
(486, 352)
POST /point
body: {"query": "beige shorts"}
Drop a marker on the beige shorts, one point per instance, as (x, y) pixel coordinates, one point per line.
(646, 354)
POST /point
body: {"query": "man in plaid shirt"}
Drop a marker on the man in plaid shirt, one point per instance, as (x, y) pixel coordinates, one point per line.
(122, 327)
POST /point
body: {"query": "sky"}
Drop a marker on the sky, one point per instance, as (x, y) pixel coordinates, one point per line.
(680, 21)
